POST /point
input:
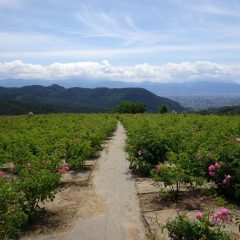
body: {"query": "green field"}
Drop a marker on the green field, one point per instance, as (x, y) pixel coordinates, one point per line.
(36, 150)
(190, 144)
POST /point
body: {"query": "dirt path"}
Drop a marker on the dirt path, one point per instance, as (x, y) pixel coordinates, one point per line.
(117, 215)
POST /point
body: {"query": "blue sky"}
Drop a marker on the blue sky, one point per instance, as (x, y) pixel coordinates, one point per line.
(122, 35)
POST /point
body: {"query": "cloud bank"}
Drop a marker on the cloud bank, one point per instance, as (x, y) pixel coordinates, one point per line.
(104, 70)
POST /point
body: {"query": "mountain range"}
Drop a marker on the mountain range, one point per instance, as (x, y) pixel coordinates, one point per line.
(55, 98)
(200, 88)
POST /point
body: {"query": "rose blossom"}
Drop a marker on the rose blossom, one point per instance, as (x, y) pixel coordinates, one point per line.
(66, 168)
(217, 165)
(198, 215)
(222, 215)
(61, 171)
(174, 235)
(212, 174)
(211, 168)
(227, 179)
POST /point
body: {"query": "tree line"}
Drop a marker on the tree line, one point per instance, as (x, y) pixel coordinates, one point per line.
(137, 107)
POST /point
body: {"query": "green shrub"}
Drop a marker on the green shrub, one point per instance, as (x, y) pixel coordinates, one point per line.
(40, 149)
(204, 226)
(162, 109)
(131, 107)
(191, 142)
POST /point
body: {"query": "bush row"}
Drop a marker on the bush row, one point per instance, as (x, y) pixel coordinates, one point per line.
(196, 148)
(34, 152)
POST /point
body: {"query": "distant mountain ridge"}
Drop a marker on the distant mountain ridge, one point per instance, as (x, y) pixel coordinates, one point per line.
(199, 88)
(83, 99)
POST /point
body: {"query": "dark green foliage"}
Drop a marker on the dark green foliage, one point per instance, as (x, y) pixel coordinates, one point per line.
(131, 107)
(39, 99)
(13, 107)
(162, 109)
(12, 213)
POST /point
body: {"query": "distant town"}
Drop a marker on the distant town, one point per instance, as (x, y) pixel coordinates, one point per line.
(205, 102)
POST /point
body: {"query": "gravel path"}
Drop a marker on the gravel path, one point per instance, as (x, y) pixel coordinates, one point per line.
(119, 217)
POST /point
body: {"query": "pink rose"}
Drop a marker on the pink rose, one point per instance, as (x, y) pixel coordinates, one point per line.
(198, 215)
(228, 177)
(1, 174)
(217, 165)
(212, 173)
(61, 171)
(211, 168)
(173, 235)
(224, 211)
(222, 215)
(66, 168)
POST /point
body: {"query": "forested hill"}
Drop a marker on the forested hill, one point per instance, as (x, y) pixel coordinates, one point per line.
(59, 99)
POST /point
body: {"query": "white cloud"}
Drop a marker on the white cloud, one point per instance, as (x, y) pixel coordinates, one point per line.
(169, 72)
(124, 29)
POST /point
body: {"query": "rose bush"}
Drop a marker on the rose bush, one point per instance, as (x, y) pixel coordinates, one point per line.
(35, 152)
(205, 226)
(204, 148)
